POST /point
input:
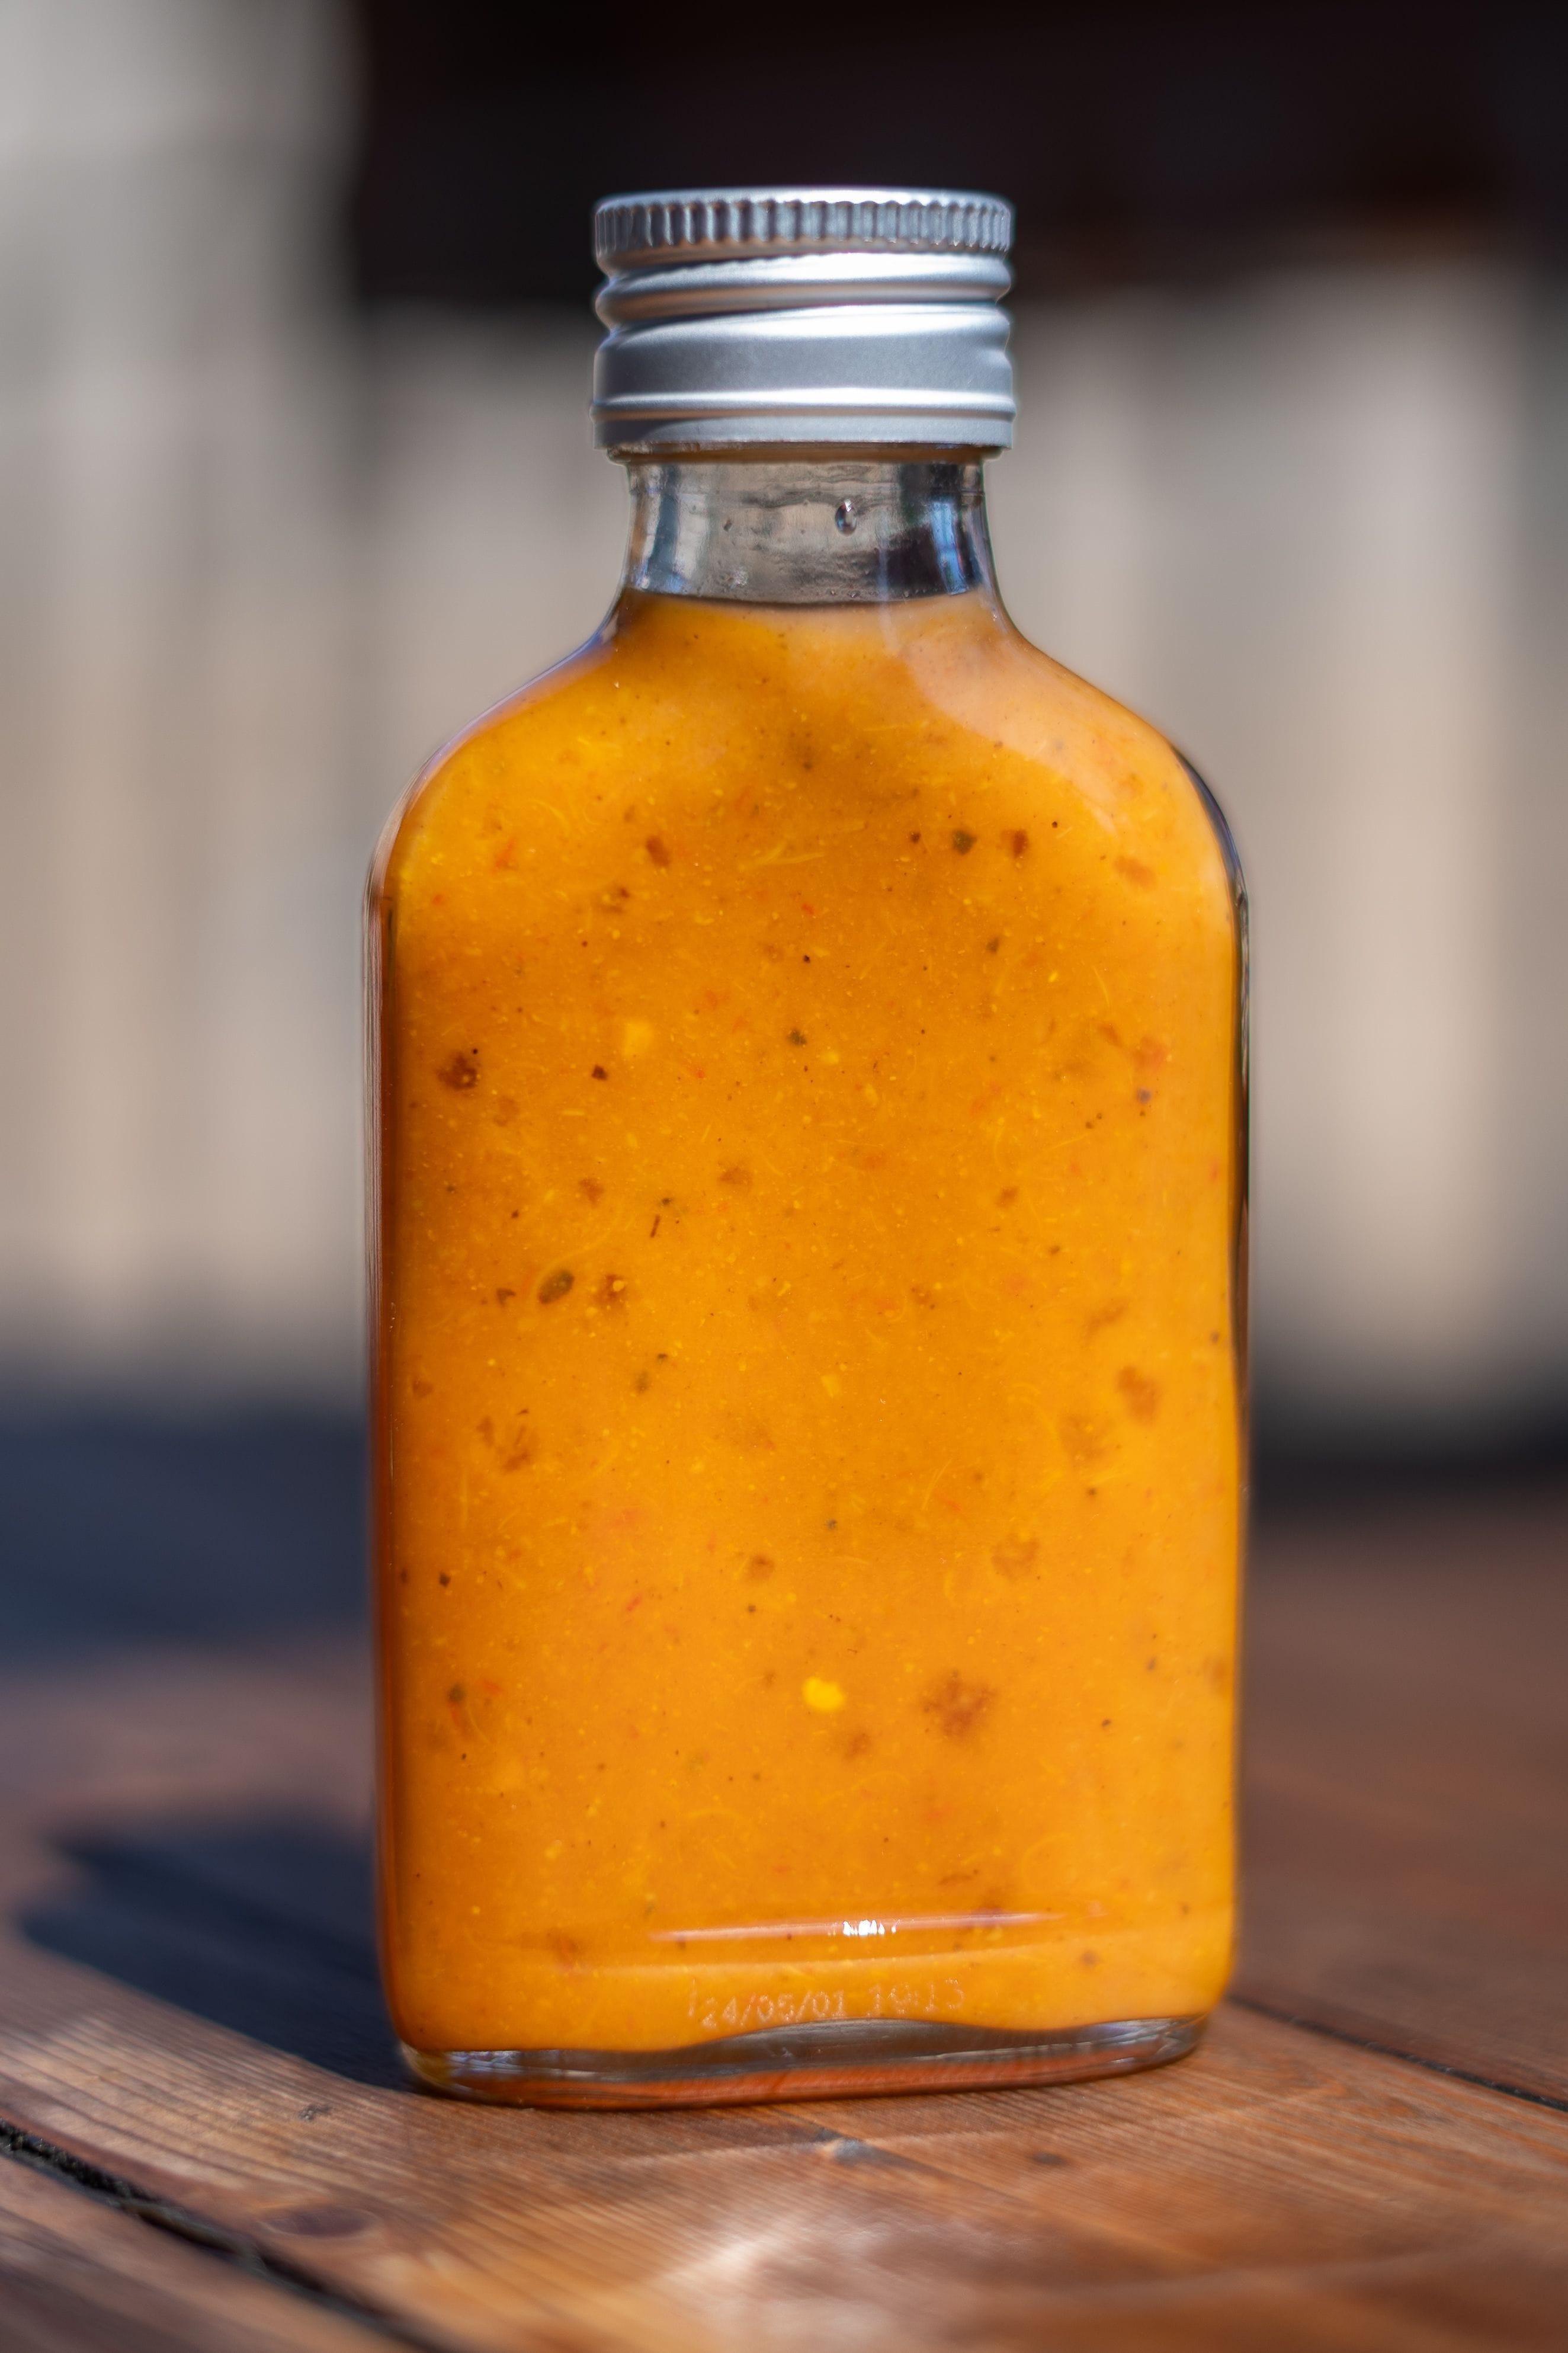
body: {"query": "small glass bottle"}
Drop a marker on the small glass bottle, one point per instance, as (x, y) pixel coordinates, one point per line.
(809, 1161)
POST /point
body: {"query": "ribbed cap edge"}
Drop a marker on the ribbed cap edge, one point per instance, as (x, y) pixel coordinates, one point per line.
(712, 223)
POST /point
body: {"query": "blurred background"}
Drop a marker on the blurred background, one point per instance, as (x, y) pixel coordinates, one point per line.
(295, 478)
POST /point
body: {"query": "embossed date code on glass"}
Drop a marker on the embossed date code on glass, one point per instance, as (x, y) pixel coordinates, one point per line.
(915, 1998)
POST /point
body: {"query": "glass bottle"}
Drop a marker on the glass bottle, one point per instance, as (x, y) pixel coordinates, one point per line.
(809, 1165)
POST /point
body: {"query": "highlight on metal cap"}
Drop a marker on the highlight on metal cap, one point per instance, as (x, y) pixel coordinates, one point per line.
(762, 315)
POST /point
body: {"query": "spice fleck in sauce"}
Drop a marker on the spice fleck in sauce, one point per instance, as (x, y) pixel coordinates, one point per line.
(809, 1115)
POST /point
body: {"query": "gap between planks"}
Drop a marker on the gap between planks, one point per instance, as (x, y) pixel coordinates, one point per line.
(234, 2253)
(848, 2132)
(1283, 2017)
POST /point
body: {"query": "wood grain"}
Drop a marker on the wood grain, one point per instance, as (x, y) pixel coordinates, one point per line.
(78, 2277)
(193, 1824)
(1279, 2179)
(1408, 1784)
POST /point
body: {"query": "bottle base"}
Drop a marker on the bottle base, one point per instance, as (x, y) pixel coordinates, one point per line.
(832, 2061)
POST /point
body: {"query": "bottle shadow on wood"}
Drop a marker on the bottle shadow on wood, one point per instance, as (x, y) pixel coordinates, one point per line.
(264, 1926)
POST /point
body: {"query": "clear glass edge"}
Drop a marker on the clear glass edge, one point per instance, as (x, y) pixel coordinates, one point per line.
(862, 2057)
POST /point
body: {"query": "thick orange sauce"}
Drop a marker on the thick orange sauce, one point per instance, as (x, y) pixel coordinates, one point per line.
(808, 1390)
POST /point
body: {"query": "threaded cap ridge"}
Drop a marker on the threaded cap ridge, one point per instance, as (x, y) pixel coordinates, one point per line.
(711, 224)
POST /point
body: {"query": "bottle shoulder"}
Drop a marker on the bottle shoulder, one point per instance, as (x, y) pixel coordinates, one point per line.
(1117, 770)
(828, 718)
(467, 769)
(1033, 705)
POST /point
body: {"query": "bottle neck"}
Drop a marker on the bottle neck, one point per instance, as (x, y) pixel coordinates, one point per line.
(838, 530)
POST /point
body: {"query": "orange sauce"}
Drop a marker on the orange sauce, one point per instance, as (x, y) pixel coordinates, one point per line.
(809, 1389)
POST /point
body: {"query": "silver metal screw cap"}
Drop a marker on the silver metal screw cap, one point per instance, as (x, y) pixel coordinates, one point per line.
(765, 315)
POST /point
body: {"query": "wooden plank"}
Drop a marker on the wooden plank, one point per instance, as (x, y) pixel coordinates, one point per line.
(1407, 1775)
(1408, 1784)
(192, 1824)
(1279, 2185)
(76, 2276)
(1279, 2179)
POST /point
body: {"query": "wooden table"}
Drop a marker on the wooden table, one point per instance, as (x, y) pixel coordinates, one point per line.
(1371, 2150)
